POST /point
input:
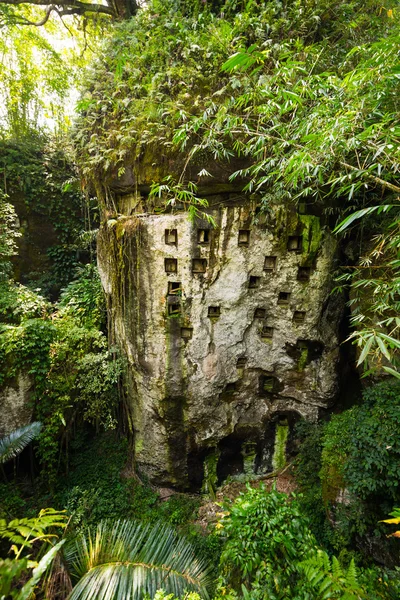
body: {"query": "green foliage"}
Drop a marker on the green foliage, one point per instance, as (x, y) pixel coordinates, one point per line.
(18, 303)
(329, 580)
(8, 236)
(34, 176)
(186, 195)
(75, 374)
(12, 571)
(94, 489)
(161, 595)
(307, 468)
(374, 285)
(12, 501)
(162, 70)
(139, 559)
(372, 466)
(83, 298)
(266, 536)
(28, 533)
(348, 471)
(39, 66)
(11, 445)
(337, 442)
(26, 347)
(271, 554)
(25, 532)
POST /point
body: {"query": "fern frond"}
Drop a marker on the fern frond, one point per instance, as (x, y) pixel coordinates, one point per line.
(351, 576)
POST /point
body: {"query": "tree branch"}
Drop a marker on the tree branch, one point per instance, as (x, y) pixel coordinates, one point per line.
(378, 180)
(63, 8)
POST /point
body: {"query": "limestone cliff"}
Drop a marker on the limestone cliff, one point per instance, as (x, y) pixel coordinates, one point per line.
(226, 330)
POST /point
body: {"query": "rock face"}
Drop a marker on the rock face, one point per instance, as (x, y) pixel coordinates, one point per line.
(15, 409)
(227, 331)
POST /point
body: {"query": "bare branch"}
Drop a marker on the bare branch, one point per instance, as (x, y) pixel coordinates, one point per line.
(62, 7)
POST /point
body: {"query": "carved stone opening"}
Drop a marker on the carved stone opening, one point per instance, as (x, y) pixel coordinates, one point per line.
(283, 297)
(203, 236)
(314, 348)
(267, 332)
(214, 312)
(254, 282)
(174, 288)
(174, 309)
(244, 237)
(260, 313)
(187, 333)
(294, 243)
(171, 265)
(303, 273)
(305, 351)
(241, 362)
(230, 388)
(199, 265)
(171, 236)
(270, 264)
(268, 385)
(299, 316)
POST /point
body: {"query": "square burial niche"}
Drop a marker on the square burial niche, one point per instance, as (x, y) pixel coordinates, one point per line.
(270, 264)
(171, 236)
(254, 282)
(267, 332)
(174, 309)
(244, 237)
(186, 333)
(199, 265)
(174, 288)
(268, 385)
(299, 317)
(241, 362)
(283, 298)
(294, 243)
(303, 273)
(171, 265)
(230, 388)
(203, 236)
(260, 313)
(214, 312)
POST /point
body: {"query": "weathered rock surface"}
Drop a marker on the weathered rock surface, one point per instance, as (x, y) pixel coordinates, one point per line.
(15, 408)
(226, 330)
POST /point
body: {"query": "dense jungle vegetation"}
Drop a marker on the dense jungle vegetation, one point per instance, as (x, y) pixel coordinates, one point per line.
(306, 95)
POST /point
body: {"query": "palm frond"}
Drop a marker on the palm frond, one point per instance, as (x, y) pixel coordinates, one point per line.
(11, 445)
(124, 560)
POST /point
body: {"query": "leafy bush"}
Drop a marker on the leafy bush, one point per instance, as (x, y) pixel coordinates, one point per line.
(266, 537)
(8, 235)
(361, 452)
(271, 554)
